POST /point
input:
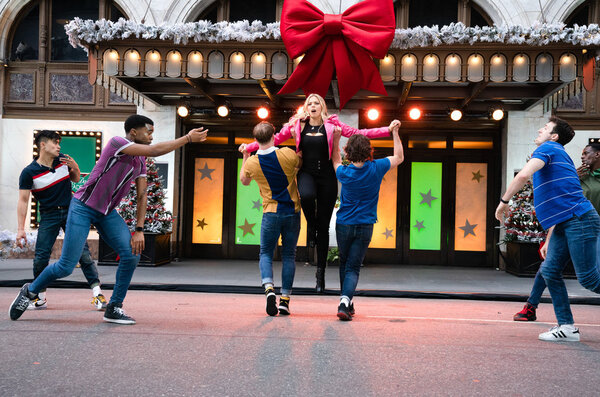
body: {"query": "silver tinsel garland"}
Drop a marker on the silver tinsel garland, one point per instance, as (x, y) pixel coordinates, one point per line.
(90, 32)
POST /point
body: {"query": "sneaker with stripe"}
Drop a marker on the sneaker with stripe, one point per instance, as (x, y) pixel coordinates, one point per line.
(561, 333)
(114, 314)
(271, 302)
(20, 303)
(284, 305)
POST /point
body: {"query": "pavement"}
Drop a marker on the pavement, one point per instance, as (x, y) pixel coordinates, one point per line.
(215, 344)
(234, 276)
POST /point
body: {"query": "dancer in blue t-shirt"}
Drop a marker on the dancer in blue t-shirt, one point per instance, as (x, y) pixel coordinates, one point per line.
(360, 181)
(560, 205)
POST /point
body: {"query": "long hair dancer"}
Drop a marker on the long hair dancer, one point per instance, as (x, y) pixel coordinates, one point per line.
(312, 129)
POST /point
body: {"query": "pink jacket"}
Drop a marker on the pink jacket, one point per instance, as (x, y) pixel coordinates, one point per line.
(330, 124)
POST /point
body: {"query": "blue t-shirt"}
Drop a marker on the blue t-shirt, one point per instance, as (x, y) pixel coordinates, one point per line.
(50, 186)
(557, 193)
(360, 191)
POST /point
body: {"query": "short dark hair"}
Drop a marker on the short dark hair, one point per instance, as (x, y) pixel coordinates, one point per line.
(44, 136)
(563, 129)
(263, 132)
(358, 149)
(136, 121)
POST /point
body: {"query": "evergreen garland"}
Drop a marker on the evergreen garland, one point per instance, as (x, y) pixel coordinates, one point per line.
(158, 219)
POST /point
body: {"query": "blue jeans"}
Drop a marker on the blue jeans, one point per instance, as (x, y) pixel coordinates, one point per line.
(576, 238)
(539, 285)
(274, 225)
(112, 229)
(50, 224)
(353, 241)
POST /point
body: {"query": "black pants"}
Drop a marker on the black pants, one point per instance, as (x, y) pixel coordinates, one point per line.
(318, 193)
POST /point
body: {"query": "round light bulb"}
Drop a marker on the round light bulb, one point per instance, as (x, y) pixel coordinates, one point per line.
(373, 114)
(223, 111)
(498, 114)
(456, 115)
(183, 111)
(262, 112)
(414, 113)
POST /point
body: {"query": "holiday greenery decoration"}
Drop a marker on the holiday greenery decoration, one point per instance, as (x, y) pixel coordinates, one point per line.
(539, 34)
(521, 223)
(8, 247)
(158, 219)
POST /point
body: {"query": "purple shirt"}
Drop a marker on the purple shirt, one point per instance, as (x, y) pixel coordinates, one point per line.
(111, 177)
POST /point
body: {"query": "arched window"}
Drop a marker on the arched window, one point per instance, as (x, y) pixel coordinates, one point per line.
(25, 43)
(265, 11)
(413, 13)
(580, 16)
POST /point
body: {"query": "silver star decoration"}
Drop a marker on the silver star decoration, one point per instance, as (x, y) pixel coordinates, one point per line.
(468, 228)
(388, 233)
(419, 225)
(427, 198)
(205, 171)
(257, 204)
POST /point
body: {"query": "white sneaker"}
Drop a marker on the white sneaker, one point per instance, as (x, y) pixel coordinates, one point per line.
(37, 304)
(561, 333)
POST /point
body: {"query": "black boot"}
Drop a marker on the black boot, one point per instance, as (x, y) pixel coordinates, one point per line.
(320, 280)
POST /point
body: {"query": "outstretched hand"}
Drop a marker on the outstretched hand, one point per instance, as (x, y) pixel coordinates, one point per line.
(198, 134)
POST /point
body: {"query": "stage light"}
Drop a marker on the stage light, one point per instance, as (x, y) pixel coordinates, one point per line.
(183, 111)
(262, 112)
(223, 111)
(414, 113)
(300, 110)
(497, 114)
(456, 115)
(373, 114)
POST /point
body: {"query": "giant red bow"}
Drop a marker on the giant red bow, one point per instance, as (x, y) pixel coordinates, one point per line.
(344, 43)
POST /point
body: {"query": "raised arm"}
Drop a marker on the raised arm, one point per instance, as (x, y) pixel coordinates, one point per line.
(195, 135)
(348, 131)
(243, 178)
(74, 173)
(398, 156)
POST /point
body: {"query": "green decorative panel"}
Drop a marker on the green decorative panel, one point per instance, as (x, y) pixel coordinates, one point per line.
(248, 212)
(425, 206)
(82, 149)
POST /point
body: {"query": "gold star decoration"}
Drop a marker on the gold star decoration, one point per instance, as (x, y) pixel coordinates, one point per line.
(477, 176)
(201, 223)
(247, 227)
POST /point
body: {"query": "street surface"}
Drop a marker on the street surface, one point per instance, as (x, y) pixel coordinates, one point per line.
(197, 344)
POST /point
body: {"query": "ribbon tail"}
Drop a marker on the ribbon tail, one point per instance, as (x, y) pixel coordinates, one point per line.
(348, 71)
(371, 79)
(306, 76)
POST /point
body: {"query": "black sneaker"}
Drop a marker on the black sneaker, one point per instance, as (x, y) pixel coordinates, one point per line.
(271, 302)
(351, 309)
(284, 305)
(20, 304)
(114, 314)
(344, 312)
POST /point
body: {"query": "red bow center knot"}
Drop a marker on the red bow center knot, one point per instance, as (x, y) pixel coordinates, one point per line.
(332, 24)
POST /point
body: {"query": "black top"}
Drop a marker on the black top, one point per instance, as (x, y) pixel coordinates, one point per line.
(315, 150)
(50, 186)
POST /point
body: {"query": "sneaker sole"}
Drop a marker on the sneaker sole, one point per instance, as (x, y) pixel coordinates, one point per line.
(117, 321)
(560, 340)
(284, 312)
(43, 307)
(524, 319)
(344, 317)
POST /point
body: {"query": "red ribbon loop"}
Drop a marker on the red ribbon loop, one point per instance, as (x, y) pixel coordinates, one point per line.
(332, 24)
(345, 44)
